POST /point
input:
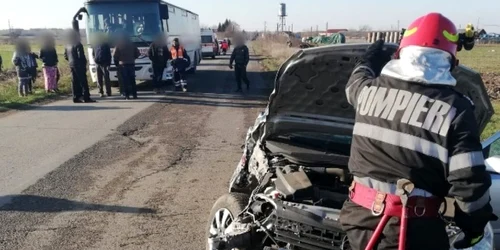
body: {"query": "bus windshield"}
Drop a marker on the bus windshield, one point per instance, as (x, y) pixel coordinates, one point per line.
(139, 20)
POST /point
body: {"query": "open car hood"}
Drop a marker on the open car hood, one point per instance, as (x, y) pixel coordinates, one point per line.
(309, 92)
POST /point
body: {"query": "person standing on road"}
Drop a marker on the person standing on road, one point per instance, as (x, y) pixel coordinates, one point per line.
(124, 58)
(240, 57)
(159, 55)
(22, 60)
(48, 55)
(102, 58)
(1, 63)
(413, 128)
(75, 55)
(33, 69)
(180, 62)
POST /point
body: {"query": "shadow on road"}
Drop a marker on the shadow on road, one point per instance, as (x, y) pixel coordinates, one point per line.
(40, 204)
(75, 107)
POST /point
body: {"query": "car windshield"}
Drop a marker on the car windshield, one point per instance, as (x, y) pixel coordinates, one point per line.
(206, 39)
(320, 141)
(139, 20)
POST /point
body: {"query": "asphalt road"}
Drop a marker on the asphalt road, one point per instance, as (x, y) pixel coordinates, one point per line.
(139, 174)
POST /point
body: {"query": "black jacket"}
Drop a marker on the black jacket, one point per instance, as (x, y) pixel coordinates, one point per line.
(159, 55)
(240, 56)
(75, 55)
(102, 54)
(426, 133)
(49, 57)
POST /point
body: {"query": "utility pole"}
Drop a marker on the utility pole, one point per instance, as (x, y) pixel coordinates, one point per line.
(326, 30)
(317, 30)
(265, 27)
(292, 27)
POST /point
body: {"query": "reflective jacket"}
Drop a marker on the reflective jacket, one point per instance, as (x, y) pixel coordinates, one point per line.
(411, 123)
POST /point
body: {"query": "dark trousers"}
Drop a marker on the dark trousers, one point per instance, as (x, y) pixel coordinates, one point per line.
(34, 75)
(179, 75)
(158, 75)
(103, 80)
(79, 83)
(23, 86)
(128, 80)
(422, 233)
(240, 72)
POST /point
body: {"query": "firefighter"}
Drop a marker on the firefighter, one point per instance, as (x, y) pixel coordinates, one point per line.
(413, 128)
(180, 62)
(240, 57)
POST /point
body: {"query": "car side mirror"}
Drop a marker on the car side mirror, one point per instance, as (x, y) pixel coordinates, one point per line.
(491, 151)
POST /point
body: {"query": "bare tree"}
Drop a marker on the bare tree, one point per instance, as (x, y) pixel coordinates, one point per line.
(365, 28)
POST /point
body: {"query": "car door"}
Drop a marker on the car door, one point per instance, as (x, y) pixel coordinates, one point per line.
(491, 150)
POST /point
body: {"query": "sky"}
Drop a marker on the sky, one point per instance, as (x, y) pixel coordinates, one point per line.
(256, 14)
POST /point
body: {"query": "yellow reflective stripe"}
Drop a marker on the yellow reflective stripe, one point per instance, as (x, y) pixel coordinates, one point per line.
(476, 240)
(450, 37)
(410, 32)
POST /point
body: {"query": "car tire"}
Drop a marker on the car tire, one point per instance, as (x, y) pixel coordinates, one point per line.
(232, 203)
(115, 84)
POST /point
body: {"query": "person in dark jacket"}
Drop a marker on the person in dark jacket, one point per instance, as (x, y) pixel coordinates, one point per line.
(414, 134)
(75, 55)
(102, 57)
(22, 60)
(33, 69)
(159, 55)
(1, 63)
(124, 58)
(48, 55)
(240, 57)
(180, 62)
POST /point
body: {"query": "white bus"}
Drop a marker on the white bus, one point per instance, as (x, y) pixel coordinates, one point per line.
(142, 20)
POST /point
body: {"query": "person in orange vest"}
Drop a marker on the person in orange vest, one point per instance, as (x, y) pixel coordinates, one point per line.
(180, 62)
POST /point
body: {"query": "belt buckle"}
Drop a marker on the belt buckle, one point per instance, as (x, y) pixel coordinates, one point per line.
(379, 201)
(374, 213)
(420, 204)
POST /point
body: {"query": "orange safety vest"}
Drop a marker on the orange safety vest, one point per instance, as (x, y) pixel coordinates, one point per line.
(177, 53)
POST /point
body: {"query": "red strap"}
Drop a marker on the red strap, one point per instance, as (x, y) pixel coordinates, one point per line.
(390, 204)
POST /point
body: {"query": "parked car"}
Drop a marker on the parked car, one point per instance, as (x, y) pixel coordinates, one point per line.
(292, 180)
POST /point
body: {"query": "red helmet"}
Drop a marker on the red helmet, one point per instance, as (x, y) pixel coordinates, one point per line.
(432, 30)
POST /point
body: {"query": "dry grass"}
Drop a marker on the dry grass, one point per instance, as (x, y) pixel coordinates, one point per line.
(274, 52)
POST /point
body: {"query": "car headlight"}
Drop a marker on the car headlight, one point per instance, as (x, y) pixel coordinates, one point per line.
(485, 244)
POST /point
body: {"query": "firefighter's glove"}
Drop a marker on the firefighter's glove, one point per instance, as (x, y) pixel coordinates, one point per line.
(472, 224)
(375, 57)
(468, 241)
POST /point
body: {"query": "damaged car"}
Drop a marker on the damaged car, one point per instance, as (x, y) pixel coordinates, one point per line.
(292, 180)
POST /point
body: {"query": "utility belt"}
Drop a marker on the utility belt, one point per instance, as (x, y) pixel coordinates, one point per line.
(402, 205)
(390, 204)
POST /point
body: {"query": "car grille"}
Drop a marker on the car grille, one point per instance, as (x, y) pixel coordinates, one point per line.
(307, 237)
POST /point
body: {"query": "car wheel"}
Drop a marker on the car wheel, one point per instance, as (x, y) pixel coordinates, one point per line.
(225, 209)
(115, 84)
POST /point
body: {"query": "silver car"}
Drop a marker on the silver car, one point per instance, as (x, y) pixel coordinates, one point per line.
(291, 182)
